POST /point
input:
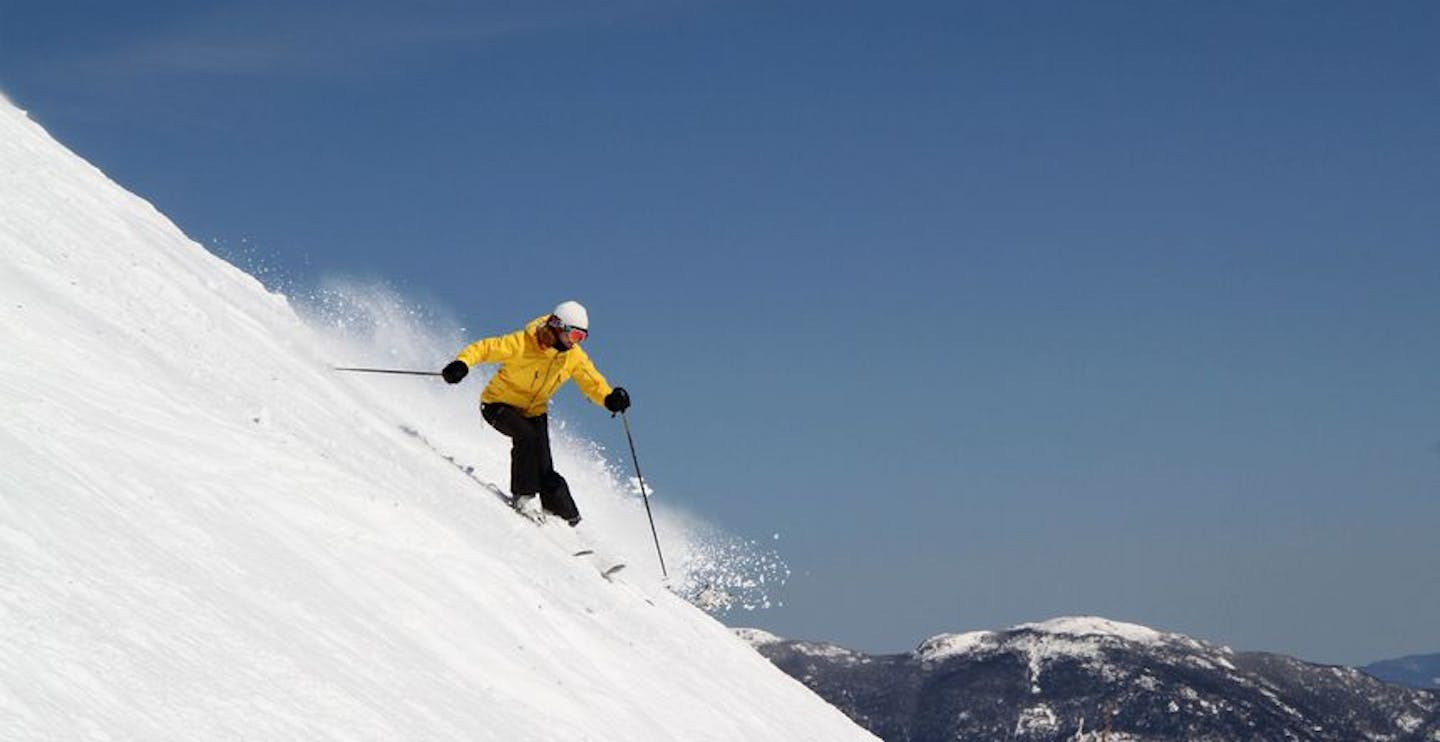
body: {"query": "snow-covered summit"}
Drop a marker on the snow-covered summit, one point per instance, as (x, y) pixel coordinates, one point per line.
(1067, 635)
(206, 533)
(948, 645)
(1095, 626)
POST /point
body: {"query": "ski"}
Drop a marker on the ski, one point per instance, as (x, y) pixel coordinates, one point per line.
(522, 507)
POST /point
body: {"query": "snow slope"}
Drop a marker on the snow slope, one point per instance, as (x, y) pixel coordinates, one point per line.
(207, 534)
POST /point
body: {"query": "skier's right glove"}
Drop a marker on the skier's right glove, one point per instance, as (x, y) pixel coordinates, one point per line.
(454, 372)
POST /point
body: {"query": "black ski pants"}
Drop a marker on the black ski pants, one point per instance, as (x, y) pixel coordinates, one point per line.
(531, 469)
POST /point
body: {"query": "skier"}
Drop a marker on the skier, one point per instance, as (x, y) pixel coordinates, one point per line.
(534, 363)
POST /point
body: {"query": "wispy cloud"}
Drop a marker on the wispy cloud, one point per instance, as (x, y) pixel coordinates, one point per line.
(306, 40)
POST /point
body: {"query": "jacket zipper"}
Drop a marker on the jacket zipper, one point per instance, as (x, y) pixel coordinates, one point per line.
(540, 386)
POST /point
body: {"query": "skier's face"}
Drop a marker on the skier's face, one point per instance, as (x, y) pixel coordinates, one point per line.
(566, 336)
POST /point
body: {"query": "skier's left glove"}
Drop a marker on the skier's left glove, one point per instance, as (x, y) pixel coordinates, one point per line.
(617, 400)
(454, 372)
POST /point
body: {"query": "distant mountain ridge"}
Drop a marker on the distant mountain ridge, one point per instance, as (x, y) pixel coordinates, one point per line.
(1086, 678)
(1415, 671)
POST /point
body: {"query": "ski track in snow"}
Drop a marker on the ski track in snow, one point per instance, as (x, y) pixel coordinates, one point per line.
(206, 533)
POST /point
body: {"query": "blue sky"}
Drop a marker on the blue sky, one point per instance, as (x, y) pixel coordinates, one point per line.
(993, 311)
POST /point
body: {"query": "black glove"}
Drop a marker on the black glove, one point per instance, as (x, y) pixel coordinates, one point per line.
(454, 372)
(618, 400)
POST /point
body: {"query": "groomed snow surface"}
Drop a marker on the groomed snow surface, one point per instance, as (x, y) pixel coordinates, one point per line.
(205, 533)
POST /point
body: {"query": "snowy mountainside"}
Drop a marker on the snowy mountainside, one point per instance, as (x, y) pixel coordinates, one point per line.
(1088, 678)
(205, 533)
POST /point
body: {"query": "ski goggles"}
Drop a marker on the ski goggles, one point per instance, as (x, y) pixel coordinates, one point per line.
(576, 334)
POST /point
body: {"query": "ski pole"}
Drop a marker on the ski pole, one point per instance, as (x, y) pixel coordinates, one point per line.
(387, 371)
(643, 496)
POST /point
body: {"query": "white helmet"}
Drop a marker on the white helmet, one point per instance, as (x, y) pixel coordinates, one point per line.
(573, 314)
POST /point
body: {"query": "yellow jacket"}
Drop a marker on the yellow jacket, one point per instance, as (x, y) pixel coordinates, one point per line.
(530, 374)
